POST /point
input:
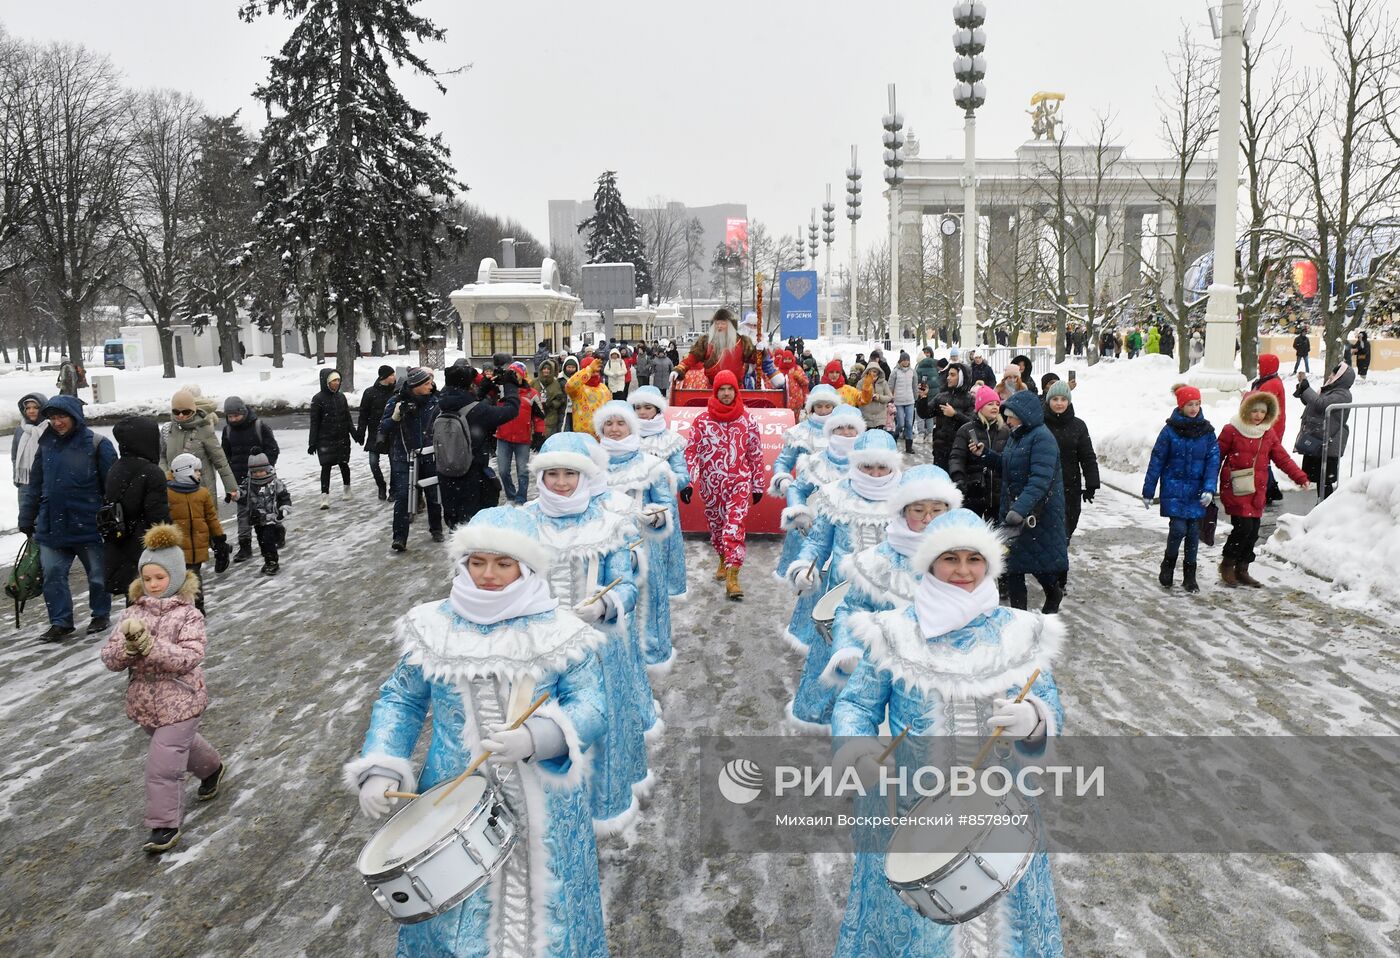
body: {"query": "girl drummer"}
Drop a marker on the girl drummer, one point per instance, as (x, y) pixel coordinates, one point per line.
(807, 438)
(477, 661)
(668, 445)
(949, 664)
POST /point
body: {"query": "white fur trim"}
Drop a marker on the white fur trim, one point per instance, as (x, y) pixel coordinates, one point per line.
(658, 729)
(841, 504)
(777, 488)
(452, 652)
(794, 643)
(649, 399)
(603, 827)
(1031, 641)
(580, 760)
(939, 490)
(356, 768)
(877, 457)
(624, 411)
(468, 538)
(792, 512)
(983, 538)
(803, 727)
(541, 461)
(662, 668)
(839, 668)
(797, 566)
(872, 572)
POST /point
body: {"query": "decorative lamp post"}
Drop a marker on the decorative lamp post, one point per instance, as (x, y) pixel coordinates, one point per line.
(969, 66)
(812, 238)
(893, 123)
(853, 214)
(828, 237)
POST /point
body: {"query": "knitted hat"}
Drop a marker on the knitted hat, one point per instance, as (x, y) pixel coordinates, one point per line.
(163, 548)
(566, 450)
(924, 482)
(984, 395)
(233, 406)
(519, 369)
(647, 396)
(953, 354)
(502, 530)
(960, 529)
(843, 415)
(616, 409)
(903, 356)
(822, 392)
(459, 377)
(333, 376)
(384, 373)
(876, 448)
(259, 460)
(1059, 388)
(1186, 394)
(184, 466)
(418, 375)
(183, 399)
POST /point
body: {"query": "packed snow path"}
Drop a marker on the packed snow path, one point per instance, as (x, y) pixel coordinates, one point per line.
(295, 661)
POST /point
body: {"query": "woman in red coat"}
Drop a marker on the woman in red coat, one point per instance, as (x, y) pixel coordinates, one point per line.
(725, 457)
(1249, 442)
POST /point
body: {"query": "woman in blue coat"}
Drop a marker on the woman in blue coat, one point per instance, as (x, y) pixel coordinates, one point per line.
(1186, 460)
(663, 442)
(806, 439)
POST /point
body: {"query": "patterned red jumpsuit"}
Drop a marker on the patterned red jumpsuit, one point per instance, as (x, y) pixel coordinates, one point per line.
(726, 461)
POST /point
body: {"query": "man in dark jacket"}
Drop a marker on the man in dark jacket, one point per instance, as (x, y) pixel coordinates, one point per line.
(59, 509)
(1078, 463)
(1168, 341)
(372, 403)
(926, 373)
(465, 496)
(332, 432)
(245, 434)
(407, 426)
(979, 371)
(136, 484)
(1302, 347)
(949, 410)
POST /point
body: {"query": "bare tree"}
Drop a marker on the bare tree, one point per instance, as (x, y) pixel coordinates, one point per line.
(77, 163)
(158, 218)
(874, 288)
(933, 292)
(1013, 283)
(663, 237)
(16, 199)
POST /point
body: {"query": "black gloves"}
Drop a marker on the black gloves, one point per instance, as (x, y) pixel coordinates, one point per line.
(536, 441)
(686, 494)
(1089, 495)
(311, 450)
(221, 553)
(27, 530)
(1013, 518)
(757, 496)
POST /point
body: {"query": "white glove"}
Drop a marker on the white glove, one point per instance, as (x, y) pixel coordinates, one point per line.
(1147, 502)
(805, 579)
(373, 802)
(1207, 498)
(592, 611)
(1020, 718)
(656, 520)
(862, 755)
(508, 744)
(802, 522)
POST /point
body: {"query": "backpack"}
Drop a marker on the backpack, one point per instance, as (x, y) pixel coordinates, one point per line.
(26, 578)
(452, 443)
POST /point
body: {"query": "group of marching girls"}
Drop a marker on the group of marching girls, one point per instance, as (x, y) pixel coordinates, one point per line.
(565, 600)
(900, 620)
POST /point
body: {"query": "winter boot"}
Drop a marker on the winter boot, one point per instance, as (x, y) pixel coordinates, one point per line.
(161, 840)
(398, 546)
(209, 787)
(325, 500)
(722, 572)
(245, 550)
(57, 633)
(1227, 572)
(1053, 597)
(270, 567)
(438, 535)
(1168, 571)
(383, 490)
(1188, 577)
(732, 589)
(1244, 578)
(346, 493)
(100, 623)
(909, 447)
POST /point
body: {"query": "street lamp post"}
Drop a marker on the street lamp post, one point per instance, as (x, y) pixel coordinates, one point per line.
(853, 214)
(828, 237)
(812, 238)
(1218, 371)
(969, 66)
(893, 123)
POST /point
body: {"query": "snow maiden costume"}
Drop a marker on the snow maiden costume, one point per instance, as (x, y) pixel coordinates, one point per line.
(882, 576)
(934, 668)
(647, 485)
(590, 546)
(666, 444)
(804, 439)
(477, 660)
(852, 516)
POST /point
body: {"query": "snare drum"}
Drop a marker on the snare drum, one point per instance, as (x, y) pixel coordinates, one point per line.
(428, 858)
(824, 614)
(952, 873)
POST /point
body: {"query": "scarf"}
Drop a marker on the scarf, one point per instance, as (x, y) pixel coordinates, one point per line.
(527, 595)
(181, 486)
(901, 538)
(621, 448)
(942, 607)
(556, 506)
(593, 381)
(819, 420)
(839, 447)
(874, 488)
(27, 446)
(598, 485)
(718, 410)
(653, 427)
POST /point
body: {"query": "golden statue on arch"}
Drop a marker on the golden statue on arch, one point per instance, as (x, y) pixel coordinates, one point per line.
(1046, 115)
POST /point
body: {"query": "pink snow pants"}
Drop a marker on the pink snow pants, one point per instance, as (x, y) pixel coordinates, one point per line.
(175, 750)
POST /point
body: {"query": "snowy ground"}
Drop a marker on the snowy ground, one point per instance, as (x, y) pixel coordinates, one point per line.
(294, 662)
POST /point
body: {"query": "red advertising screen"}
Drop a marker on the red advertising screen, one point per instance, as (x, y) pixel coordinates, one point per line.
(1305, 278)
(736, 234)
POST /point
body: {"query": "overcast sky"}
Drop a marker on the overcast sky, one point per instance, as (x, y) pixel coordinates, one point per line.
(751, 102)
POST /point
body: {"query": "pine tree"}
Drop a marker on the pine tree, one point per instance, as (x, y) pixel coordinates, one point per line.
(613, 235)
(354, 190)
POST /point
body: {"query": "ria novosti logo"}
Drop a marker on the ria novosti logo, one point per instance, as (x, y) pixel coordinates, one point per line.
(741, 781)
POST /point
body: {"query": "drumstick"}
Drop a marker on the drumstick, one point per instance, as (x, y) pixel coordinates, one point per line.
(393, 794)
(890, 748)
(987, 747)
(486, 754)
(600, 593)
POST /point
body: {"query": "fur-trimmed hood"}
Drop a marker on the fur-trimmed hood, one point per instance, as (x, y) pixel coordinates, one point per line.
(1260, 397)
(188, 590)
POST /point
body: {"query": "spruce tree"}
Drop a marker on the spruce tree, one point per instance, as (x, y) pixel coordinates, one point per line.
(613, 235)
(354, 188)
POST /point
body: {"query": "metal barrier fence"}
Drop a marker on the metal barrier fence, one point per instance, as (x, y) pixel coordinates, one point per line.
(999, 357)
(1376, 440)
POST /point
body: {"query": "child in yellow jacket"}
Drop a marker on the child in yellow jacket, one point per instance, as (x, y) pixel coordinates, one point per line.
(192, 509)
(588, 392)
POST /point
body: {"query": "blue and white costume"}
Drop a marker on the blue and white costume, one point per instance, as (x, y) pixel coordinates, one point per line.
(591, 549)
(934, 668)
(646, 483)
(807, 438)
(666, 444)
(851, 516)
(473, 675)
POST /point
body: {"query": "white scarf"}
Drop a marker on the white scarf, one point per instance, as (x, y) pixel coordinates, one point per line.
(901, 538)
(840, 446)
(617, 448)
(819, 420)
(598, 485)
(527, 595)
(556, 506)
(653, 427)
(874, 488)
(942, 607)
(28, 445)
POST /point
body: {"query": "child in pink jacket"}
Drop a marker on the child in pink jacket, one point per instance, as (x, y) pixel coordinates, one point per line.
(159, 640)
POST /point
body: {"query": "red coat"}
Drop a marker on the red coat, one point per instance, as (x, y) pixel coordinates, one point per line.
(1270, 383)
(520, 428)
(1238, 449)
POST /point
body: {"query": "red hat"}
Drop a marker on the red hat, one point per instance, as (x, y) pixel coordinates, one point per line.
(1186, 394)
(985, 394)
(1268, 364)
(784, 360)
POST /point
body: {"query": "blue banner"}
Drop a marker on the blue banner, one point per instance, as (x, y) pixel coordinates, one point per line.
(797, 304)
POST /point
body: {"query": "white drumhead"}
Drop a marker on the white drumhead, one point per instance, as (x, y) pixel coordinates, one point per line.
(917, 851)
(906, 868)
(419, 824)
(826, 605)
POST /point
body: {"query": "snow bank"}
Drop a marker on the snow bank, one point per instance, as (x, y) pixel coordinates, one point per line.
(1351, 538)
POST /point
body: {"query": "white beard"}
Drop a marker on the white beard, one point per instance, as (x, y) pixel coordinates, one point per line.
(722, 340)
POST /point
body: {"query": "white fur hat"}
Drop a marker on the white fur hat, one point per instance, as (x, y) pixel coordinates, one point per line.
(648, 396)
(617, 409)
(960, 529)
(567, 450)
(925, 482)
(502, 530)
(876, 448)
